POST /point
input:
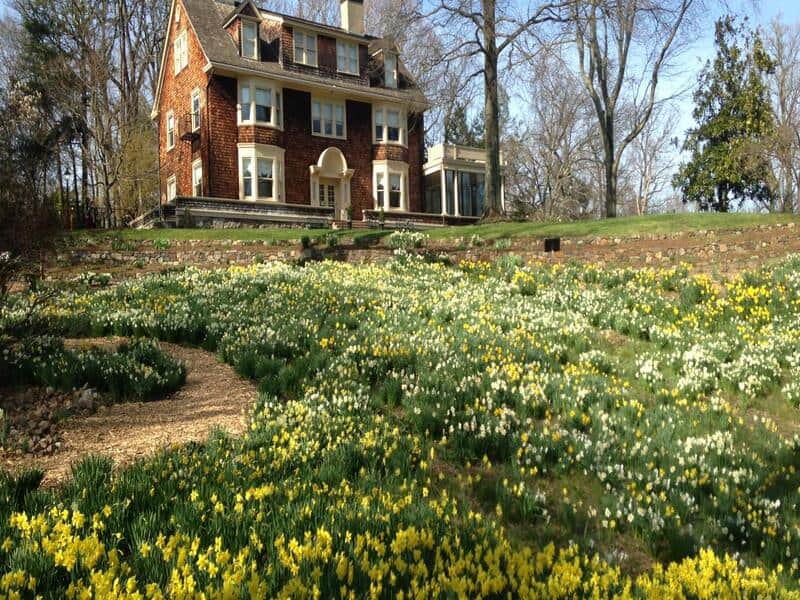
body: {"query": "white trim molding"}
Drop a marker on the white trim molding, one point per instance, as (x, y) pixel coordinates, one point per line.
(332, 165)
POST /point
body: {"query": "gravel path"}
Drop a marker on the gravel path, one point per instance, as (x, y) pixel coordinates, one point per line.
(214, 396)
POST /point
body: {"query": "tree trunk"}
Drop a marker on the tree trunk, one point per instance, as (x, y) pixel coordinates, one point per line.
(609, 160)
(493, 202)
(62, 206)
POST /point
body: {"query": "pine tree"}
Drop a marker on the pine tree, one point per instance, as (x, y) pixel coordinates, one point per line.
(735, 121)
(459, 130)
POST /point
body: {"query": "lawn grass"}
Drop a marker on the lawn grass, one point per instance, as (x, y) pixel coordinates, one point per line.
(272, 234)
(622, 227)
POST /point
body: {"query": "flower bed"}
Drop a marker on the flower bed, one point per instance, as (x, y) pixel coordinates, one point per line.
(424, 428)
(138, 370)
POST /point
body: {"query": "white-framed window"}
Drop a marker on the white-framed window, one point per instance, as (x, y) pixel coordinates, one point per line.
(395, 190)
(380, 189)
(390, 185)
(197, 178)
(195, 110)
(390, 125)
(180, 52)
(390, 70)
(250, 39)
(170, 130)
(172, 188)
(260, 103)
(305, 48)
(347, 57)
(328, 118)
(261, 172)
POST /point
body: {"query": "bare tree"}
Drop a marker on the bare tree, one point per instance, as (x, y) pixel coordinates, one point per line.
(560, 133)
(486, 29)
(783, 44)
(623, 49)
(652, 161)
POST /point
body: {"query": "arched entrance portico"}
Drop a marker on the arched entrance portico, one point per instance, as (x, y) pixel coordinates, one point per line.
(330, 182)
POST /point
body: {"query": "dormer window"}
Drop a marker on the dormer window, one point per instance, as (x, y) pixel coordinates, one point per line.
(250, 39)
(347, 57)
(390, 68)
(305, 48)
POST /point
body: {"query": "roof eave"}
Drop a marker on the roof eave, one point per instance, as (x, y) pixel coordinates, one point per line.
(415, 105)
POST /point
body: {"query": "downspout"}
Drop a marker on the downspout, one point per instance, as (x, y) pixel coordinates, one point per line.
(208, 132)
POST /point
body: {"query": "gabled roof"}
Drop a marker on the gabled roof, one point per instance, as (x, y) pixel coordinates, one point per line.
(208, 17)
(240, 9)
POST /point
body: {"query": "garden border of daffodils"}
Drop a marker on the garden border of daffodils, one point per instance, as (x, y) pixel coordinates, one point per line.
(420, 431)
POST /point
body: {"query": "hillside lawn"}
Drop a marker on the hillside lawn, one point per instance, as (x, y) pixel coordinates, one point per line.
(621, 227)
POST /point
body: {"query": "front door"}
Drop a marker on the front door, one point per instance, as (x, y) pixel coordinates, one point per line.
(328, 189)
(331, 194)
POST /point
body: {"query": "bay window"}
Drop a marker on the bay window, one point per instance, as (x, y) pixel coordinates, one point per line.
(250, 39)
(261, 172)
(328, 118)
(347, 57)
(390, 181)
(259, 103)
(305, 48)
(390, 125)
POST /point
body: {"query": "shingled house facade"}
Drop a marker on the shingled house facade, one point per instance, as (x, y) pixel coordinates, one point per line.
(267, 117)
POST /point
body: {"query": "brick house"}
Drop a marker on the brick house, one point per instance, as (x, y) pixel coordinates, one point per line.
(267, 117)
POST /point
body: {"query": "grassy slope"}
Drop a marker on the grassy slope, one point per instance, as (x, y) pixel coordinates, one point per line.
(659, 224)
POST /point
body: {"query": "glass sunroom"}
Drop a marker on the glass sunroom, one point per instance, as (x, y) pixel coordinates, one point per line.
(455, 181)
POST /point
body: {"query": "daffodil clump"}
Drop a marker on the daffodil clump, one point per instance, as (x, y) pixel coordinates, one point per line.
(138, 370)
(477, 431)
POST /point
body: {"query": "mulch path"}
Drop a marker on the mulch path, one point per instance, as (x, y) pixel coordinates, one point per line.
(214, 396)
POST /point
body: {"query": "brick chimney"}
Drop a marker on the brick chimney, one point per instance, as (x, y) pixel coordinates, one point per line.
(352, 15)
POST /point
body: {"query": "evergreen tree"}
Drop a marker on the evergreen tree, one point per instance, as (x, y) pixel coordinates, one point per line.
(459, 130)
(735, 120)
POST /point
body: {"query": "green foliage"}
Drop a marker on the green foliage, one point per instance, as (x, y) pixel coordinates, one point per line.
(735, 122)
(139, 370)
(458, 129)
